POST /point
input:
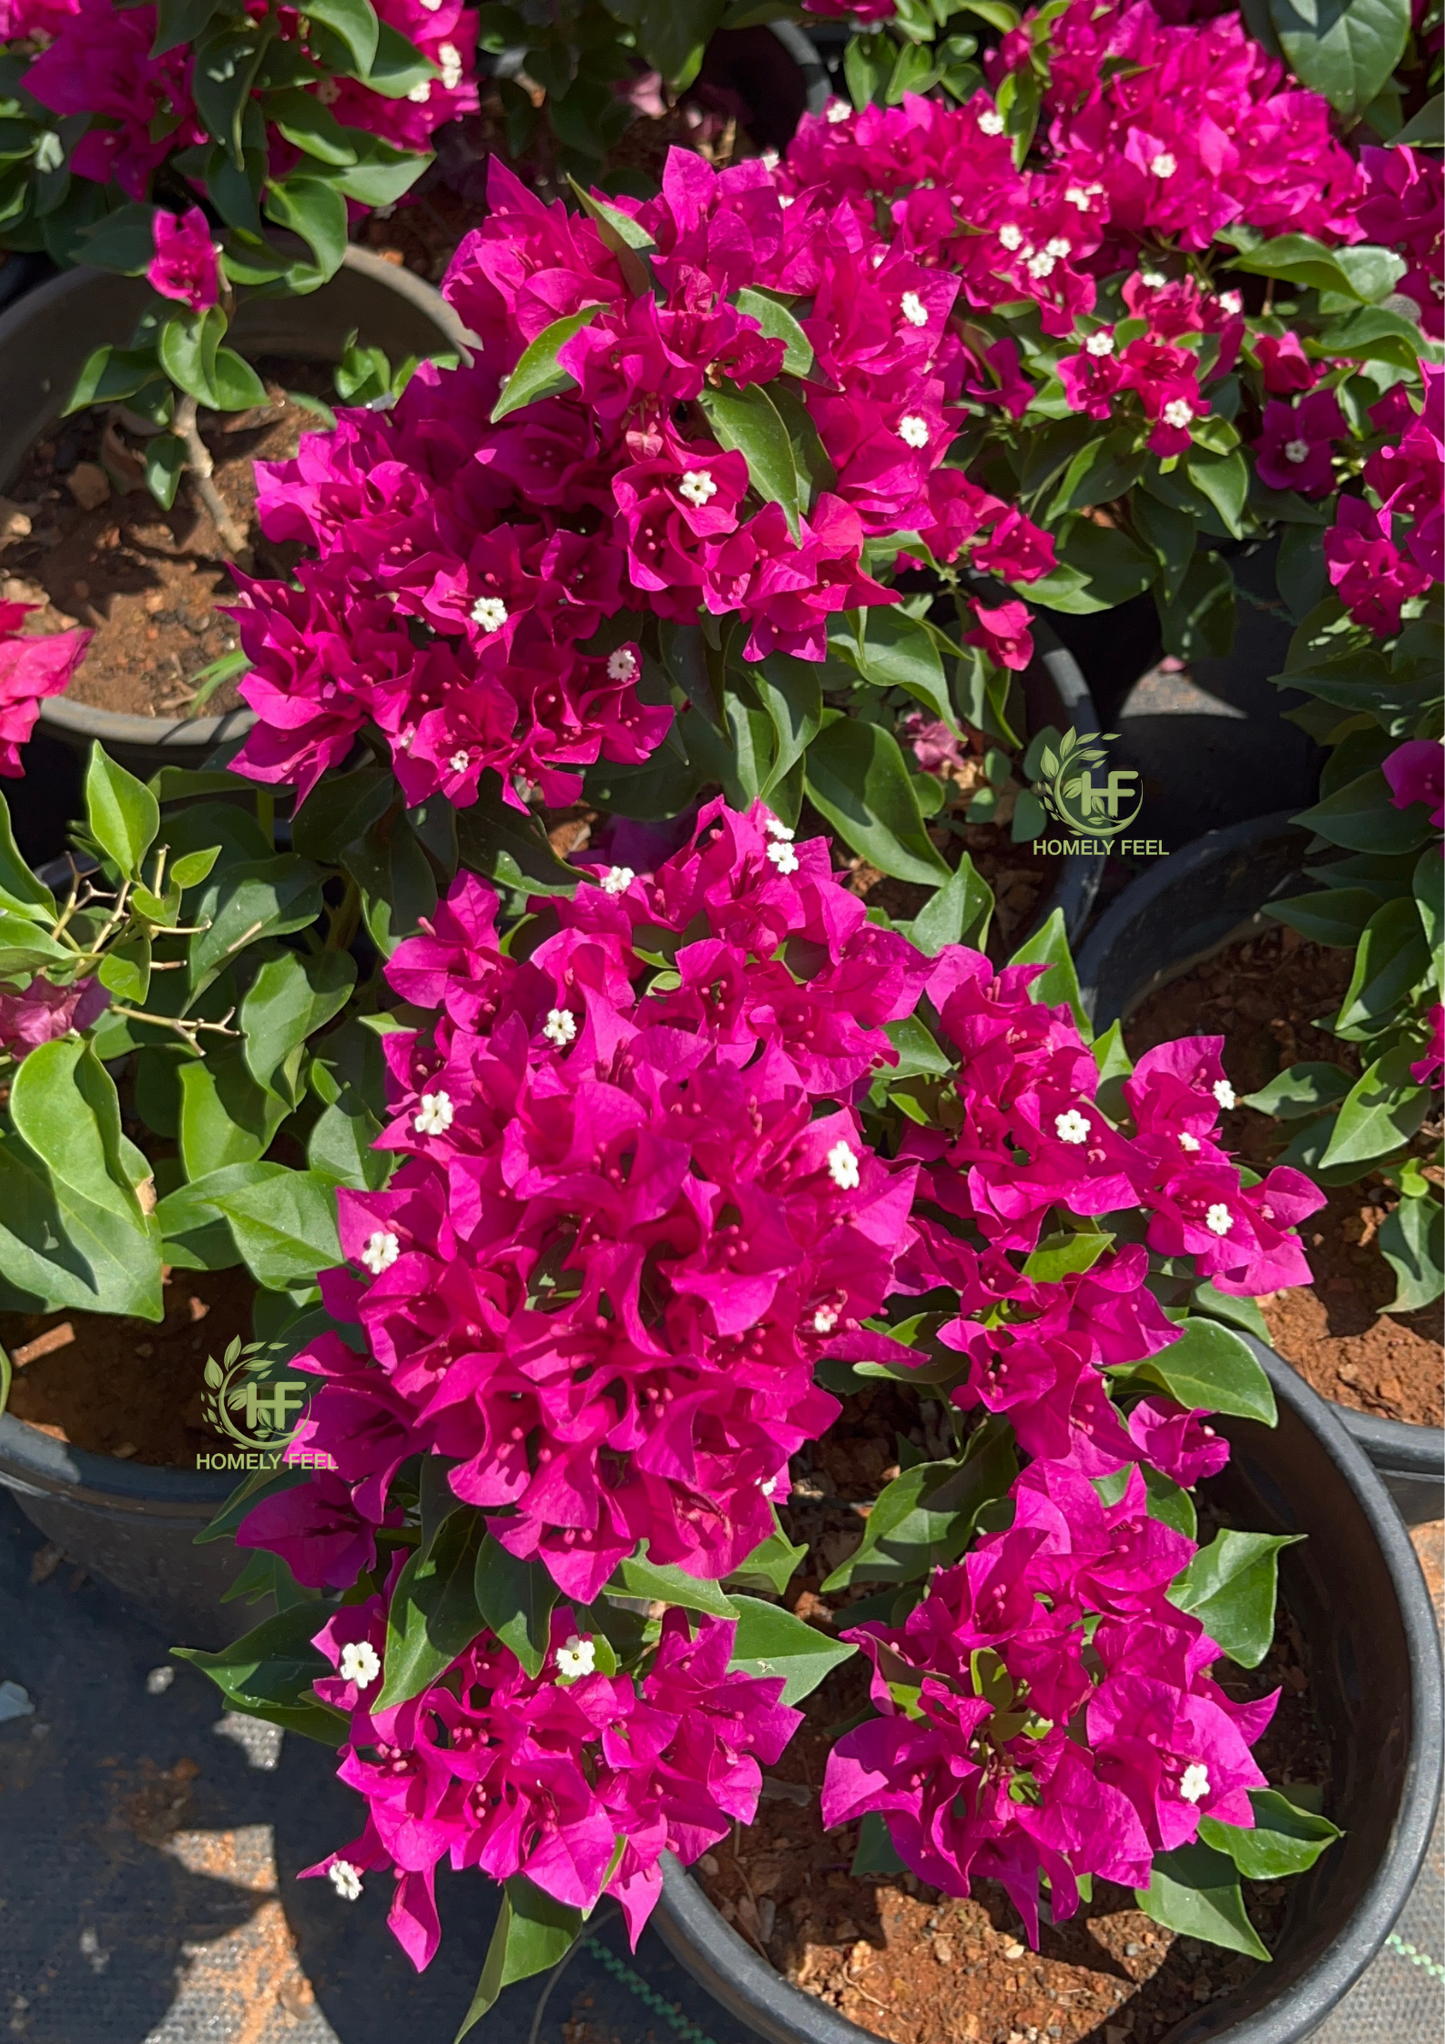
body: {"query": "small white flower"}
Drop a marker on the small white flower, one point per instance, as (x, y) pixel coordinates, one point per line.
(1194, 1782)
(621, 664)
(617, 879)
(913, 309)
(1083, 196)
(1164, 165)
(432, 6)
(1155, 279)
(450, 59)
(1058, 247)
(1010, 236)
(838, 110)
(435, 1115)
(490, 613)
(381, 1251)
(560, 1027)
(912, 430)
(1072, 1127)
(697, 486)
(420, 94)
(785, 199)
(1187, 1141)
(843, 1167)
(578, 1657)
(825, 1320)
(1099, 344)
(345, 1879)
(404, 738)
(328, 92)
(775, 827)
(990, 121)
(1219, 1220)
(1178, 412)
(1296, 451)
(1224, 1093)
(783, 856)
(1232, 302)
(769, 1487)
(360, 1663)
(459, 762)
(1040, 264)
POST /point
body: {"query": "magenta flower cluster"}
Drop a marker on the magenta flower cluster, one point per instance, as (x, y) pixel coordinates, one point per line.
(576, 1778)
(627, 1223)
(1381, 555)
(30, 669)
(1045, 1710)
(465, 568)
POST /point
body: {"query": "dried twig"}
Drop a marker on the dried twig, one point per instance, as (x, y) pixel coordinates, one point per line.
(198, 460)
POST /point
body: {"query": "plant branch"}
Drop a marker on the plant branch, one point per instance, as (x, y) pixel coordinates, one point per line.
(198, 460)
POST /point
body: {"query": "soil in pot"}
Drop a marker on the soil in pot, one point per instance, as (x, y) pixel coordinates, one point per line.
(146, 581)
(129, 1388)
(1272, 998)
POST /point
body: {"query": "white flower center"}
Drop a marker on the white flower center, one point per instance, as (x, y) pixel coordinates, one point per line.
(1232, 302)
(769, 1487)
(1296, 451)
(1083, 196)
(360, 1663)
(328, 92)
(1099, 344)
(1058, 247)
(577, 1658)
(420, 94)
(697, 486)
(345, 1879)
(825, 1320)
(783, 856)
(490, 613)
(1194, 1782)
(621, 664)
(775, 827)
(381, 1251)
(913, 309)
(1164, 165)
(839, 110)
(617, 879)
(1072, 1127)
(435, 1115)
(912, 430)
(1187, 1141)
(1010, 236)
(1040, 264)
(560, 1027)
(1224, 1093)
(404, 738)
(843, 1167)
(450, 59)
(1219, 1220)
(990, 122)
(1178, 412)
(459, 762)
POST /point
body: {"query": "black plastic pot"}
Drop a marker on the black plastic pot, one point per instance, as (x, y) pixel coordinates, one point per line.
(1355, 1589)
(1056, 692)
(1182, 911)
(132, 1525)
(45, 339)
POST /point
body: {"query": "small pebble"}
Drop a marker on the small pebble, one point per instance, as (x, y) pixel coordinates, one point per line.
(708, 1864)
(1014, 1951)
(159, 1680)
(89, 484)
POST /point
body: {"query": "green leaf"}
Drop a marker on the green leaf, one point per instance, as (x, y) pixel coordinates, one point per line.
(1426, 129)
(956, 913)
(355, 22)
(245, 902)
(1217, 1305)
(339, 812)
(1412, 1242)
(196, 1236)
(927, 1514)
(532, 1935)
(874, 1853)
(64, 1105)
(124, 241)
(1050, 946)
(180, 21)
(1198, 620)
(639, 1577)
(1059, 1256)
(314, 209)
(1230, 1588)
(1382, 1110)
(770, 1641)
(772, 1564)
(61, 1248)
(1298, 258)
(1170, 1504)
(748, 421)
(122, 814)
(384, 177)
(398, 65)
(896, 651)
(1224, 480)
(856, 778)
(1391, 961)
(19, 888)
(1283, 1840)
(187, 347)
(434, 1614)
(672, 34)
(1195, 1891)
(235, 383)
(1210, 1367)
(165, 461)
(515, 1599)
(284, 1229)
(292, 997)
(340, 1147)
(509, 847)
(1299, 1090)
(538, 373)
(1333, 915)
(779, 325)
(1113, 569)
(226, 1117)
(1345, 49)
(223, 72)
(269, 1673)
(790, 693)
(1360, 817)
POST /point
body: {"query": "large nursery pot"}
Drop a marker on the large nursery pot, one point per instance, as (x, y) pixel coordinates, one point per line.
(45, 340)
(1056, 692)
(1182, 911)
(1355, 1588)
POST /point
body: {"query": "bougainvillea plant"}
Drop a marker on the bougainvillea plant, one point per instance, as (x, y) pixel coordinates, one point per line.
(1370, 654)
(170, 140)
(677, 1161)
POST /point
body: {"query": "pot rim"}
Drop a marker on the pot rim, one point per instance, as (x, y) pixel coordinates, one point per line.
(754, 1992)
(35, 1461)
